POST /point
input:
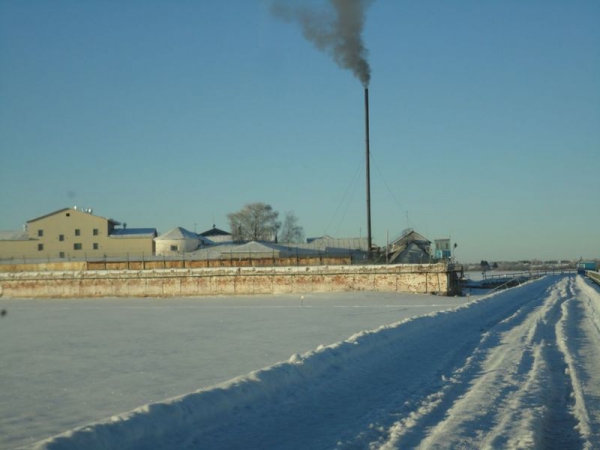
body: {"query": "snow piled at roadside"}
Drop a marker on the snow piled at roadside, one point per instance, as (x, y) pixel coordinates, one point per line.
(281, 382)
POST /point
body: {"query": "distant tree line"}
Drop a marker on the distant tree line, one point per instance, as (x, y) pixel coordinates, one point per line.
(487, 266)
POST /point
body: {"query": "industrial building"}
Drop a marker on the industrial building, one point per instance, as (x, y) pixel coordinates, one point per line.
(76, 233)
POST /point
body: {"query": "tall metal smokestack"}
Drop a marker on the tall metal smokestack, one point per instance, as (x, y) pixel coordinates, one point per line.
(368, 157)
(338, 32)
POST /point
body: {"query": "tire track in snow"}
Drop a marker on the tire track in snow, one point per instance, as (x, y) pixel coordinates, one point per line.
(578, 339)
(560, 424)
(420, 407)
(432, 411)
(501, 396)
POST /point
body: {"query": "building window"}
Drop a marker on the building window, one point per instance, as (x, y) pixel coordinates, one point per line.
(40, 233)
(174, 248)
(40, 247)
(77, 246)
(95, 232)
(96, 247)
(61, 255)
(61, 237)
(77, 232)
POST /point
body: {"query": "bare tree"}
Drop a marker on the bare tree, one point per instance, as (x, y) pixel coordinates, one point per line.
(254, 222)
(291, 231)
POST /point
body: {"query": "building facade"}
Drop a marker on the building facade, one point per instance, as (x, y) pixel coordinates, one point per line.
(443, 250)
(75, 233)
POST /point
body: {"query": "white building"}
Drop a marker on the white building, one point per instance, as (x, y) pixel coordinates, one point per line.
(178, 241)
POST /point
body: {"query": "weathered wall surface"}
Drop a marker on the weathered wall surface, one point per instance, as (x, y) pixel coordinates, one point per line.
(44, 267)
(418, 278)
(154, 264)
(595, 276)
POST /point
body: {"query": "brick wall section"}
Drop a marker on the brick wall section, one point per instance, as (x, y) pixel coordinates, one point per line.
(425, 278)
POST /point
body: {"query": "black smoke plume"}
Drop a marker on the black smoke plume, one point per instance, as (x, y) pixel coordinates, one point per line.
(337, 31)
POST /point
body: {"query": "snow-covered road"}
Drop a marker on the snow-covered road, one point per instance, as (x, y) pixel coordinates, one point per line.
(518, 369)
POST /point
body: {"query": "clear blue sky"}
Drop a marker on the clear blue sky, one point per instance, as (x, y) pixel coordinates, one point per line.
(485, 120)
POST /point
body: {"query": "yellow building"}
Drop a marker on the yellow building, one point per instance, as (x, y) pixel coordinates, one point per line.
(76, 233)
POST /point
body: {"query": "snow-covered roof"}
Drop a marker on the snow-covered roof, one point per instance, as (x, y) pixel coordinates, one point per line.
(133, 232)
(210, 252)
(410, 236)
(178, 233)
(18, 235)
(360, 243)
(253, 247)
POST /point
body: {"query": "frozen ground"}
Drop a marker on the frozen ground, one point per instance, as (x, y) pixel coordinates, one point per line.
(517, 369)
(65, 363)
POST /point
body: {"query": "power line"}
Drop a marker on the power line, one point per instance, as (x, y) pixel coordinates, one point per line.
(348, 195)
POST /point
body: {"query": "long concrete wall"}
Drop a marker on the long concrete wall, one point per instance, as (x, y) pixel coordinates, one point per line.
(418, 278)
(157, 263)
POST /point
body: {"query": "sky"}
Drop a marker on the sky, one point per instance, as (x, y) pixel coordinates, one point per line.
(484, 120)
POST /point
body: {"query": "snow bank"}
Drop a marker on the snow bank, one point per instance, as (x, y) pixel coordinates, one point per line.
(280, 383)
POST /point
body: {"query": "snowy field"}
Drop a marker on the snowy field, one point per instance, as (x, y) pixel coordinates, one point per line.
(516, 369)
(65, 363)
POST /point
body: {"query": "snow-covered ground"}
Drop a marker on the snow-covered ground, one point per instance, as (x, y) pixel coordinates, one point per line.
(517, 369)
(65, 363)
